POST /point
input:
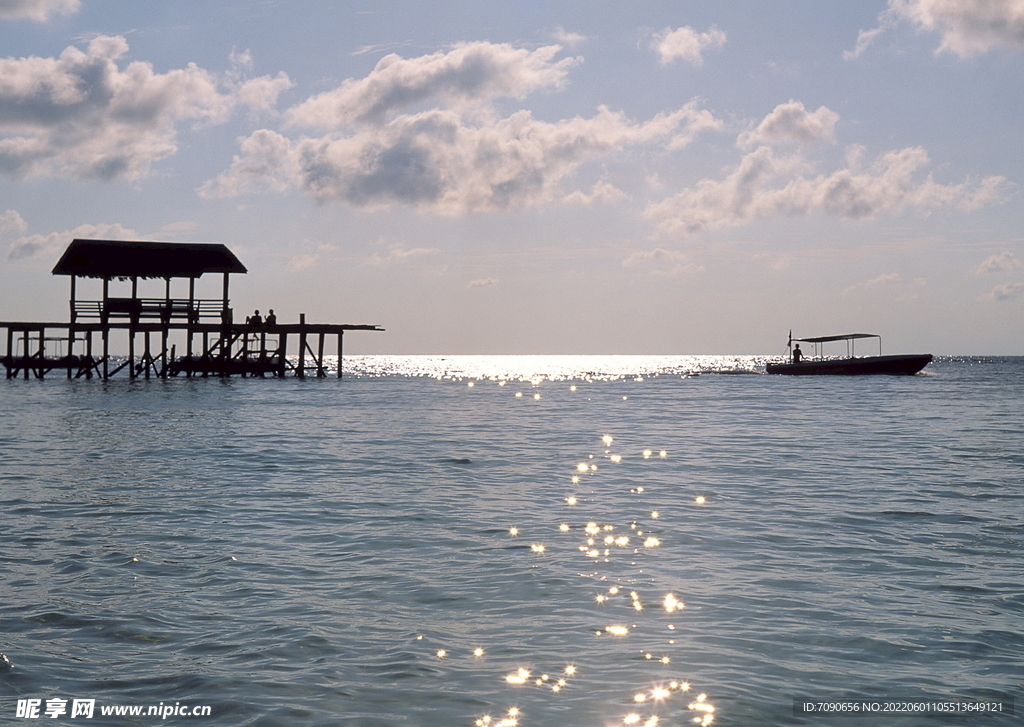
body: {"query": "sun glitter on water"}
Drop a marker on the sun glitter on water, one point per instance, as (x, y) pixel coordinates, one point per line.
(630, 611)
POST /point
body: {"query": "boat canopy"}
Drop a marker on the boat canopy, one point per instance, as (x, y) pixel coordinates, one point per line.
(842, 337)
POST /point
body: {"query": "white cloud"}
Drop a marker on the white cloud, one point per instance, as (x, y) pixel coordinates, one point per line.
(83, 116)
(400, 255)
(569, 39)
(455, 158)
(302, 261)
(792, 123)
(482, 283)
(1008, 291)
(884, 279)
(864, 39)
(764, 186)
(906, 289)
(467, 74)
(34, 245)
(442, 162)
(662, 262)
(967, 27)
(686, 43)
(40, 10)
(1002, 262)
(182, 226)
(11, 220)
(601, 192)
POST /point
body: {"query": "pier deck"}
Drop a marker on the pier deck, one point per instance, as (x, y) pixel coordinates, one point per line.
(35, 349)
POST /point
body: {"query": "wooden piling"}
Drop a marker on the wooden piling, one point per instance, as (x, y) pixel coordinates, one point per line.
(301, 371)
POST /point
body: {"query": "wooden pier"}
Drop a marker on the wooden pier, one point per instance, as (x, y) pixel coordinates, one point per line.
(212, 343)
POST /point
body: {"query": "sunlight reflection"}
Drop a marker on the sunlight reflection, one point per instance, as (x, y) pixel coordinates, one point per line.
(672, 604)
(520, 677)
(594, 547)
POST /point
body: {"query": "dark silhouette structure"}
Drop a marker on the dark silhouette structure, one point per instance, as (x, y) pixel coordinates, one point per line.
(214, 345)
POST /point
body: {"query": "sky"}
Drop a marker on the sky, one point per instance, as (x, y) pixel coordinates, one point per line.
(556, 177)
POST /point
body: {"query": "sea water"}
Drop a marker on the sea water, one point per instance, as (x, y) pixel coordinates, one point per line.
(539, 541)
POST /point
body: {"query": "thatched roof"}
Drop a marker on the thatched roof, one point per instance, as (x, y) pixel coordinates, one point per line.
(130, 258)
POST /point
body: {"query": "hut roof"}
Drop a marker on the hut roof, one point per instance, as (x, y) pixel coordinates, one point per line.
(130, 258)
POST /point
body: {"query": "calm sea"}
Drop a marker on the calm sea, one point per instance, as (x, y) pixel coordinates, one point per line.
(540, 541)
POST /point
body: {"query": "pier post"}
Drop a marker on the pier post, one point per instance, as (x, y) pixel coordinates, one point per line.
(301, 371)
(263, 353)
(225, 338)
(320, 372)
(227, 319)
(341, 338)
(131, 351)
(245, 352)
(71, 347)
(42, 352)
(282, 352)
(88, 355)
(71, 326)
(165, 326)
(193, 318)
(105, 319)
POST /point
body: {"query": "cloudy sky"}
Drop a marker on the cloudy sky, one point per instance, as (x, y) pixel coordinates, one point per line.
(557, 176)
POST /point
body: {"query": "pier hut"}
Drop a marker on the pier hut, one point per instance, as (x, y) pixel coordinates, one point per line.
(213, 343)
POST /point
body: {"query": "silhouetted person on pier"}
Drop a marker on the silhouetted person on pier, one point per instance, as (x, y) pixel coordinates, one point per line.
(797, 354)
(255, 320)
(271, 318)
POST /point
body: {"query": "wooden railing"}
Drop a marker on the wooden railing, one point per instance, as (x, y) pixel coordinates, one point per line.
(139, 309)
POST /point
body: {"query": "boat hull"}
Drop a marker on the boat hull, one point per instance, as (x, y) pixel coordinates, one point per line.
(900, 365)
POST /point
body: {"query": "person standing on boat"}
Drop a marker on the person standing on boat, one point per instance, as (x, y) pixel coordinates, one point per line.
(797, 353)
